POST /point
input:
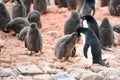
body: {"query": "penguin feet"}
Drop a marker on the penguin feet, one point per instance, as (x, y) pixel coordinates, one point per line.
(41, 52)
(87, 67)
(31, 53)
(66, 59)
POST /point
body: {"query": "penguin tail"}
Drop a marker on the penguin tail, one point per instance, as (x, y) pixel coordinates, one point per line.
(102, 62)
(106, 49)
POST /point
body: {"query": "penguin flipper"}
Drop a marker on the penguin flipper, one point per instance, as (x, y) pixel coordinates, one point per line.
(25, 42)
(93, 10)
(86, 46)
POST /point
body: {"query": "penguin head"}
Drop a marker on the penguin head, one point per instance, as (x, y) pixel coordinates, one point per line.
(19, 1)
(81, 30)
(33, 26)
(105, 21)
(87, 17)
(2, 7)
(74, 15)
(74, 34)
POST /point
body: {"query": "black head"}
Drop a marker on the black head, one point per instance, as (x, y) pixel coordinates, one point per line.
(33, 26)
(87, 17)
(81, 30)
(105, 21)
(2, 6)
(19, 1)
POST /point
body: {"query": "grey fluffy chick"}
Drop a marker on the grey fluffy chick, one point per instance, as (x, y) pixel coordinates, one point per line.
(34, 40)
(65, 45)
(34, 16)
(22, 34)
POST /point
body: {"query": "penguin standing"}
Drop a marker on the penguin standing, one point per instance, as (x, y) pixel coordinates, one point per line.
(106, 33)
(34, 40)
(90, 22)
(92, 46)
(19, 9)
(65, 45)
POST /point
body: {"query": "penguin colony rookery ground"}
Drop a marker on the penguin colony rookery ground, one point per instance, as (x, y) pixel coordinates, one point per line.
(27, 25)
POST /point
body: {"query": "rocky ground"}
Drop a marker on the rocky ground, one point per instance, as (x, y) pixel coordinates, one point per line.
(15, 64)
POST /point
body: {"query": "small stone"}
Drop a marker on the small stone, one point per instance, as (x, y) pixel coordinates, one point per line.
(21, 77)
(77, 73)
(27, 78)
(52, 77)
(41, 77)
(61, 76)
(117, 38)
(10, 78)
(55, 34)
(1, 44)
(31, 69)
(92, 76)
(97, 68)
(47, 69)
(113, 78)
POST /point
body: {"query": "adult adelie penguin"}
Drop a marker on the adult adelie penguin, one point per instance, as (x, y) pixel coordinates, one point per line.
(92, 46)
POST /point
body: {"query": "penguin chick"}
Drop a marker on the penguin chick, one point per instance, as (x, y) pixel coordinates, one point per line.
(92, 46)
(72, 23)
(4, 16)
(19, 9)
(34, 40)
(22, 34)
(65, 45)
(106, 33)
(16, 25)
(34, 16)
(116, 28)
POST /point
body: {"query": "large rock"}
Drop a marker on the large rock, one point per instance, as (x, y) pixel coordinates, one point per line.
(31, 69)
(92, 76)
(5, 72)
(113, 78)
(97, 68)
(114, 63)
(41, 77)
(61, 76)
(21, 77)
(110, 72)
(48, 68)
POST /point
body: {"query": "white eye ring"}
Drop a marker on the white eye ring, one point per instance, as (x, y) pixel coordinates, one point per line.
(85, 24)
